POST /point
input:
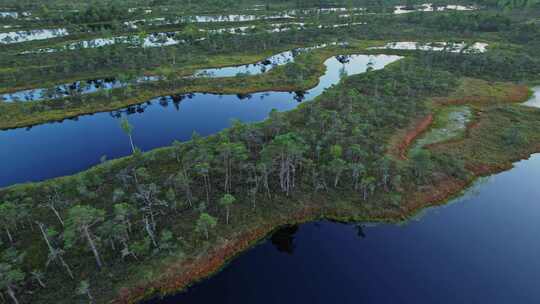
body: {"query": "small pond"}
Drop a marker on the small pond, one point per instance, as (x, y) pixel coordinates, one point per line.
(24, 36)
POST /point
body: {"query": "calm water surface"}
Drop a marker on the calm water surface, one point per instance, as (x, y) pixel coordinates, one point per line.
(57, 149)
(259, 67)
(80, 87)
(481, 248)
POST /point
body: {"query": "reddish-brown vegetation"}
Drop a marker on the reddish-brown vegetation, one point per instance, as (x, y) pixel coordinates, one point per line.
(180, 275)
(403, 138)
(511, 94)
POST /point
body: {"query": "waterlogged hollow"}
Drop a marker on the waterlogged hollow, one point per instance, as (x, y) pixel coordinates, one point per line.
(435, 46)
(259, 67)
(56, 149)
(280, 27)
(237, 18)
(24, 36)
(480, 248)
(250, 69)
(158, 39)
(14, 15)
(134, 24)
(534, 101)
(70, 89)
(451, 124)
(429, 7)
(291, 14)
(245, 30)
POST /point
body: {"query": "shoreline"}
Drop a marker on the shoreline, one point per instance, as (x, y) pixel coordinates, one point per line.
(174, 280)
(204, 258)
(225, 89)
(218, 86)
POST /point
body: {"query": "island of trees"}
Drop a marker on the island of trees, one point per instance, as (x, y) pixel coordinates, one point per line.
(157, 221)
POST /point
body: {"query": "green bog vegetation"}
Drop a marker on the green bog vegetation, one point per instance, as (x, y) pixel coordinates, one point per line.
(146, 223)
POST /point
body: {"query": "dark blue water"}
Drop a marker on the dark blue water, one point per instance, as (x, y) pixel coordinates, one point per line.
(57, 149)
(481, 248)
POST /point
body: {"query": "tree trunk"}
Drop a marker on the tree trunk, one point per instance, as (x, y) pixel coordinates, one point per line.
(57, 214)
(66, 266)
(93, 247)
(227, 216)
(365, 193)
(40, 282)
(52, 251)
(89, 295)
(150, 231)
(9, 235)
(207, 190)
(152, 217)
(189, 195)
(11, 294)
(131, 142)
(126, 249)
(128, 224)
(226, 176)
(136, 178)
(266, 184)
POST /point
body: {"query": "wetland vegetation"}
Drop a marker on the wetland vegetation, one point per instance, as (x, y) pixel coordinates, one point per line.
(153, 159)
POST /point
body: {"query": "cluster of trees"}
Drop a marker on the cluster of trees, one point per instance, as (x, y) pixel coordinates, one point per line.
(123, 57)
(100, 12)
(460, 22)
(26, 70)
(511, 4)
(152, 204)
(497, 64)
(175, 199)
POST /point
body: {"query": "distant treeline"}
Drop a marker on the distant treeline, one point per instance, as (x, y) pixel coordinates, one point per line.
(227, 4)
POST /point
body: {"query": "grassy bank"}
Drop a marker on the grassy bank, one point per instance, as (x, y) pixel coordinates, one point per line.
(335, 168)
(310, 66)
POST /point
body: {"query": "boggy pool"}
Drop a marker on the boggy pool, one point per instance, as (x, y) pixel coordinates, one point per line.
(56, 149)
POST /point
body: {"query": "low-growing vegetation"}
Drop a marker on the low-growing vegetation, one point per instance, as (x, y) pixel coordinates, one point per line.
(378, 146)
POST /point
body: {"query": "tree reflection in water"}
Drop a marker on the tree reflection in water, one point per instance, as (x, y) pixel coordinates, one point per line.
(360, 231)
(283, 239)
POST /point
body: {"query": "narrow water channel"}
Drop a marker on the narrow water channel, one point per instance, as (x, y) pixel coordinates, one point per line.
(83, 87)
(56, 149)
(480, 248)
